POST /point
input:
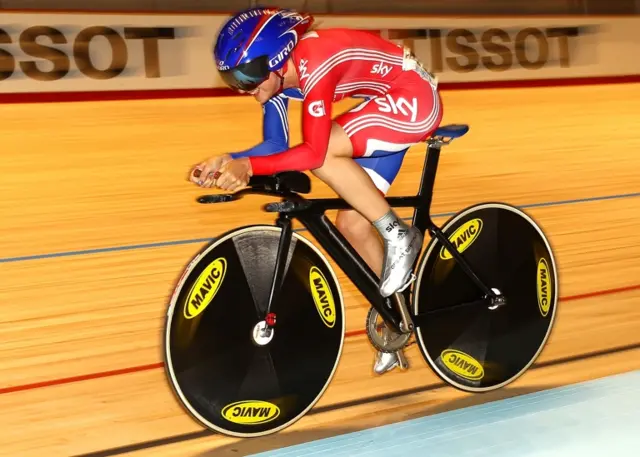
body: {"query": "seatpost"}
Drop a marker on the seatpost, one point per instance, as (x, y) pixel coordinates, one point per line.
(421, 216)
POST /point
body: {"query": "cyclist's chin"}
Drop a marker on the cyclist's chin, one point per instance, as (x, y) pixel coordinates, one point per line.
(258, 96)
(263, 95)
(266, 90)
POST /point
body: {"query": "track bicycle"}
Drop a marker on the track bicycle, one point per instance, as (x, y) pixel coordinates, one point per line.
(256, 324)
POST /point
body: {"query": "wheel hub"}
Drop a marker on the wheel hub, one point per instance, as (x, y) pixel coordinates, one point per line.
(262, 333)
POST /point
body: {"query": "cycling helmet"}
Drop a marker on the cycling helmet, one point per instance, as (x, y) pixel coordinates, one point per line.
(255, 42)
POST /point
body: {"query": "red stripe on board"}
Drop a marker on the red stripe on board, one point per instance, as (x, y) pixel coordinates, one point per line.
(99, 96)
(104, 374)
(153, 366)
(602, 292)
(59, 97)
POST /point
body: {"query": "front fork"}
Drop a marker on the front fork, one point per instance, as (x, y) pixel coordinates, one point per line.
(284, 222)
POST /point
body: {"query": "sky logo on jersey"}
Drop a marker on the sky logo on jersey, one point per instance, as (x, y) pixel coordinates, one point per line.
(398, 105)
(303, 69)
(381, 69)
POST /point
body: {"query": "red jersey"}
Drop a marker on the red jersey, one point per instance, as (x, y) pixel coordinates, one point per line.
(332, 64)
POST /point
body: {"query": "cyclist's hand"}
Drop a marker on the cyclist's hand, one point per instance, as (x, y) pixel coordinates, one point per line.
(234, 174)
(203, 173)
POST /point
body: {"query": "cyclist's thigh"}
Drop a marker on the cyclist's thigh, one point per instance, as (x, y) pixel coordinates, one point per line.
(384, 169)
(406, 115)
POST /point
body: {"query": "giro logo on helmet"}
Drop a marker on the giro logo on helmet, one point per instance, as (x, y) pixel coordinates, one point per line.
(282, 54)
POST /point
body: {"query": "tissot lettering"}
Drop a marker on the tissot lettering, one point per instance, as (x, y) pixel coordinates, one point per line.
(51, 50)
(494, 49)
(83, 60)
(56, 57)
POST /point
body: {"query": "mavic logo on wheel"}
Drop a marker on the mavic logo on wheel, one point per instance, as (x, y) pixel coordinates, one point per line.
(250, 412)
(544, 287)
(462, 364)
(205, 288)
(322, 297)
(463, 237)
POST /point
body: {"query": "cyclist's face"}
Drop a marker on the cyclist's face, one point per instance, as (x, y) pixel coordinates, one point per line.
(267, 89)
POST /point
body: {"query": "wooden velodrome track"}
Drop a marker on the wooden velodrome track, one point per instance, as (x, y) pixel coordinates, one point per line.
(97, 221)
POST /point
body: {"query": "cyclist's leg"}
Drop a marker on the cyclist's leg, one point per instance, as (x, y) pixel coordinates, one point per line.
(347, 178)
(355, 227)
(365, 239)
(406, 115)
(382, 171)
(353, 184)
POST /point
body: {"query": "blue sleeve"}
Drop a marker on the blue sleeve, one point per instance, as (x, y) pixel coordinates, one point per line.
(275, 129)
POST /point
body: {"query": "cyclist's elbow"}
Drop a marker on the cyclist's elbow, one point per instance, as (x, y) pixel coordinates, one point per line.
(276, 146)
(316, 161)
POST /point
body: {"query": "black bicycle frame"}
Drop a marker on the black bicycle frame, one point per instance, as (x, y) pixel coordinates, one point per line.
(310, 212)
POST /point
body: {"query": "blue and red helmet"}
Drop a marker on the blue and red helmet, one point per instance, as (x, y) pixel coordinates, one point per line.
(255, 42)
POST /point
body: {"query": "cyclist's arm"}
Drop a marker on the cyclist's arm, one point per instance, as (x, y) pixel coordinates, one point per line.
(316, 129)
(275, 129)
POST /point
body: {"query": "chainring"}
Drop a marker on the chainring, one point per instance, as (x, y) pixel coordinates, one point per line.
(383, 338)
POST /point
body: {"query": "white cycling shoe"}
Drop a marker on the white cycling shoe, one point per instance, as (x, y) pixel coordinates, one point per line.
(399, 257)
(387, 361)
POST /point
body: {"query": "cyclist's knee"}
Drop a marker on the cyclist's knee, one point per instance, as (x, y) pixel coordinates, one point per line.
(353, 225)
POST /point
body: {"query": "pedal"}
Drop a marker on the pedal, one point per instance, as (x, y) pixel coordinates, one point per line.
(403, 363)
(385, 362)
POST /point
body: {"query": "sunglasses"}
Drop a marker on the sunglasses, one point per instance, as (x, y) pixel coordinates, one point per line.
(248, 76)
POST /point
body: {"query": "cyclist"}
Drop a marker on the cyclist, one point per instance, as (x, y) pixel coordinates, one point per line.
(274, 55)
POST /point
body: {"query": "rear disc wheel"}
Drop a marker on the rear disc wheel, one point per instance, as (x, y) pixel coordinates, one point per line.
(480, 347)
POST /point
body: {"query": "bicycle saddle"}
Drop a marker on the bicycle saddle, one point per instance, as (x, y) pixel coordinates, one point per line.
(451, 131)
